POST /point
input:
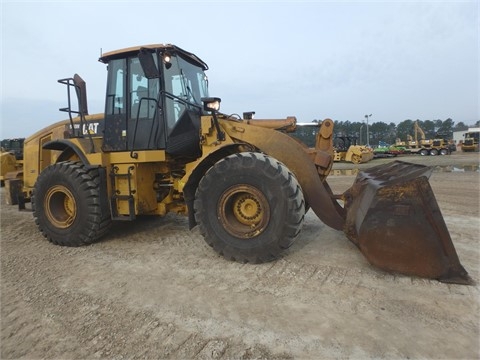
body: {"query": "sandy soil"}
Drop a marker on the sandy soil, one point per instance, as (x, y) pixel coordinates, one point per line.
(154, 289)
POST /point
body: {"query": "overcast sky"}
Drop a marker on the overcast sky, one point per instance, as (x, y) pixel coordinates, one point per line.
(312, 59)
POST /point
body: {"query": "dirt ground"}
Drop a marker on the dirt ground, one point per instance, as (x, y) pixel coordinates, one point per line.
(153, 289)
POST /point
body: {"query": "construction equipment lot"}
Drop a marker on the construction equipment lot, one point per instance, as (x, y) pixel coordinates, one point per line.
(154, 289)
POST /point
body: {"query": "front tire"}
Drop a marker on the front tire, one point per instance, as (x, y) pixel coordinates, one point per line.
(249, 207)
(68, 205)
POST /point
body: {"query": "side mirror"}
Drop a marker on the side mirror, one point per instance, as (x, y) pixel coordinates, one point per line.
(148, 64)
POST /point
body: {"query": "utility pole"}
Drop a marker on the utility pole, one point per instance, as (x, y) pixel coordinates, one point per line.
(368, 136)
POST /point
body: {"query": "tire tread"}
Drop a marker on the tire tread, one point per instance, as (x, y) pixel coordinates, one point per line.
(87, 181)
(289, 186)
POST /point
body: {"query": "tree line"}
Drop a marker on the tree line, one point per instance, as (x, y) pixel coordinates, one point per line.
(381, 131)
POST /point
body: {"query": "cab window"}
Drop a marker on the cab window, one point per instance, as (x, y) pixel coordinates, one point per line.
(143, 92)
(185, 85)
(116, 88)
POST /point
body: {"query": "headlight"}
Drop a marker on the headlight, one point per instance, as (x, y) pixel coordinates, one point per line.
(211, 104)
(167, 60)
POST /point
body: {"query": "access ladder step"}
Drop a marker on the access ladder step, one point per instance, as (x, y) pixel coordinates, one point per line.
(117, 197)
(131, 207)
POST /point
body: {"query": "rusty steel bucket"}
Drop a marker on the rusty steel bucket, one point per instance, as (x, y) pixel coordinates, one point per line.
(394, 219)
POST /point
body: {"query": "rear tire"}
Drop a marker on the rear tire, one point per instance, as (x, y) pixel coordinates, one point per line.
(249, 207)
(433, 152)
(443, 152)
(424, 152)
(68, 205)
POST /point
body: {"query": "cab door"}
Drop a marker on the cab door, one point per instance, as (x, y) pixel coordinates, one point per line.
(133, 118)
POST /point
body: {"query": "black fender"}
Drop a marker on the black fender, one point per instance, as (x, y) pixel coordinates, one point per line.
(66, 147)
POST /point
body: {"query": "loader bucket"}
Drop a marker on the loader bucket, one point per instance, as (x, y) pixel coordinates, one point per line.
(394, 219)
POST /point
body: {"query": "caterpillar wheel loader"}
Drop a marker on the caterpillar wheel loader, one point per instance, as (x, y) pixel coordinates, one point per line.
(470, 143)
(8, 163)
(346, 149)
(162, 145)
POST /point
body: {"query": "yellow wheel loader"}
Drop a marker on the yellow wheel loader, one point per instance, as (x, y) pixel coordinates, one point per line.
(471, 141)
(163, 146)
(346, 149)
(11, 155)
(8, 163)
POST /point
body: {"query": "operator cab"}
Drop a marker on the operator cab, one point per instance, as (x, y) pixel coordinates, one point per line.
(154, 100)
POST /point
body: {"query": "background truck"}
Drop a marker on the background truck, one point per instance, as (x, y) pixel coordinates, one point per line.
(162, 145)
(420, 145)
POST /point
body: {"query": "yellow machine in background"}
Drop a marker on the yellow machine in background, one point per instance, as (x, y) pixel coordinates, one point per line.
(421, 145)
(346, 149)
(8, 163)
(470, 142)
(162, 146)
(11, 158)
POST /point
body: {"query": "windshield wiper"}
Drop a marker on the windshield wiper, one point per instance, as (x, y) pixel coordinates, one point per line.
(189, 91)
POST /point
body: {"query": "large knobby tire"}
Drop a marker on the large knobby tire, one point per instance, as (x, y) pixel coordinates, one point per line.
(68, 205)
(249, 207)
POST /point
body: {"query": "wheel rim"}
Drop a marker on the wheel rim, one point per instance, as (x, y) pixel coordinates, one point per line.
(244, 211)
(60, 206)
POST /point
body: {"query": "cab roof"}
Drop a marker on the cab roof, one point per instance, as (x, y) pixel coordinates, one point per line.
(130, 51)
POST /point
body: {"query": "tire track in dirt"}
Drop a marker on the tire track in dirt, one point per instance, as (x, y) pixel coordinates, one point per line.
(100, 327)
(272, 282)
